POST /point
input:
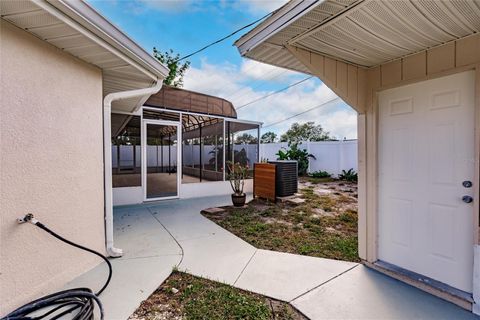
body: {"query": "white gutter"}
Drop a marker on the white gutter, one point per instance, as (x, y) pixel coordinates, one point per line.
(290, 13)
(107, 145)
(99, 25)
(98, 40)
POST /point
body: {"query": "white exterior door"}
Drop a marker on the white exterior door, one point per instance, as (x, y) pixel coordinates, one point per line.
(425, 152)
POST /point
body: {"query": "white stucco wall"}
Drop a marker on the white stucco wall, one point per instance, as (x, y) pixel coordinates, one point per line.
(211, 188)
(134, 195)
(51, 165)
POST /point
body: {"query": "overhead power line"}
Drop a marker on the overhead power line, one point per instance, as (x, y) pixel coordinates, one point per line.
(224, 38)
(300, 113)
(261, 84)
(275, 92)
(263, 76)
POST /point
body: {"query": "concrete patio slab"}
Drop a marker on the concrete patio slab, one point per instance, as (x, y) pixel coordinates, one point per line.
(285, 276)
(220, 257)
(185, 226)
(209, 250)
(133, 280)
(155, 236)
(150, 253)
(189, 205)
(362, 293)
(139, 234)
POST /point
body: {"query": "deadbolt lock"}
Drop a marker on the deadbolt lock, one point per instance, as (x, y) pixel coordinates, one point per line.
(467, 184)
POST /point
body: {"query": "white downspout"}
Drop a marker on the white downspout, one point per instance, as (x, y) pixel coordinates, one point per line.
(107, 144)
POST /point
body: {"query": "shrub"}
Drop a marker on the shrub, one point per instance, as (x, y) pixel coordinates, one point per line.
(300, 155)
(349, 175)
(320, 174)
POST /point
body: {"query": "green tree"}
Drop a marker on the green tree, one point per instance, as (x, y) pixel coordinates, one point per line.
(295, 153)
(177, 68)
(308, 131)
(268, 137)
(246, 138)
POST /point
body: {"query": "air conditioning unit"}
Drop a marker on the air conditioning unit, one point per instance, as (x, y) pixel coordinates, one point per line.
(286, 180)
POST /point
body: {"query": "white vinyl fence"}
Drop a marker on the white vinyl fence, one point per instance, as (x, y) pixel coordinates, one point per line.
(191, 155)
(331, 156)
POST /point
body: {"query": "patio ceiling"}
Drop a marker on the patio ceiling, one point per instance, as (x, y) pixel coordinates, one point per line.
(76, 28)
(190, 124)
(364, 33)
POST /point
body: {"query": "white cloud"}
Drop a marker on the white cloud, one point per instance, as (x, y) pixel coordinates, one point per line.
(217, 80)
(262, 6)
(169, 5)
(253, 6)
(262, 71)
(234, 84)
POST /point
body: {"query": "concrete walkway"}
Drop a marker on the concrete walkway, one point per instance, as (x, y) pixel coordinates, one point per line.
(159, 236)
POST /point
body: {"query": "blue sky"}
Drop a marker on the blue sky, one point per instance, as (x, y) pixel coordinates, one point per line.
(187, 25)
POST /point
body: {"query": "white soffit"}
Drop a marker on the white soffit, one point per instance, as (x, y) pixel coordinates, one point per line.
(369, 32)
(66, 25)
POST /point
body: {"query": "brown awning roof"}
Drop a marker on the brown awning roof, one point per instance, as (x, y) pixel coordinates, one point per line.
(189, 101)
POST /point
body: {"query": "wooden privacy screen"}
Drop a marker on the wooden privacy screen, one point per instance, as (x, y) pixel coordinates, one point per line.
(264, 181)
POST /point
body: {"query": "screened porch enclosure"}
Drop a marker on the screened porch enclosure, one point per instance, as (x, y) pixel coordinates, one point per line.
(162, 148)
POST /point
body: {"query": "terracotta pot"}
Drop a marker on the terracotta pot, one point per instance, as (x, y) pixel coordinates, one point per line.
(239, 200)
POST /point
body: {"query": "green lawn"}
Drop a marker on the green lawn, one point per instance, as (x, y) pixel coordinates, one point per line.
(325, 225)
(198, 298)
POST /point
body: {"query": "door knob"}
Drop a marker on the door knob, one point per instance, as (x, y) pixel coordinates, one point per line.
(467, 199)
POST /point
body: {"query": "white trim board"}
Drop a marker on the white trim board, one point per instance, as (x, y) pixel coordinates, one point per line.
(476, 280)
(211, 188)
(127, 195)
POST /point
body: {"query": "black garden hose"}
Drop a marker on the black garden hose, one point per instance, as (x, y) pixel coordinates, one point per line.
(78, 303)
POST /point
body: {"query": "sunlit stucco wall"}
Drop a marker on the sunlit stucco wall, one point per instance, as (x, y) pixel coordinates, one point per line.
(51, 165)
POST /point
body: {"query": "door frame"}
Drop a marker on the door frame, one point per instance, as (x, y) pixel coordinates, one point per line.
(144, 157)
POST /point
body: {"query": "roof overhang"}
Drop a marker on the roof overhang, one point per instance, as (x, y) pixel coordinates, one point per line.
(75, 27)
(364, 33)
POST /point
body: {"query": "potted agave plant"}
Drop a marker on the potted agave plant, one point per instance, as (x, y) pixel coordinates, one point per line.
(236, 176)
